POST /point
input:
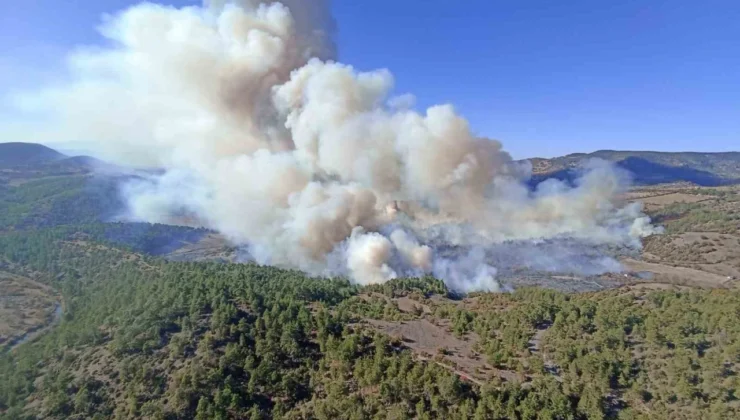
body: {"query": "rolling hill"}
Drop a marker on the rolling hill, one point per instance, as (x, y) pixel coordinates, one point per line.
(17, 154)
(649, 168)
(24, 162)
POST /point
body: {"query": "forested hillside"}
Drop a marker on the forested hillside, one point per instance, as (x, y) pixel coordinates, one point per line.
(20, 154)
(141, 337)
(146, 338)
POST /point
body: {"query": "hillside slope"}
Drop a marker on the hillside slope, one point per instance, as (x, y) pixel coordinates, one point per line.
(647, 167)
(709, 169)
(17, 154)
(142, 337)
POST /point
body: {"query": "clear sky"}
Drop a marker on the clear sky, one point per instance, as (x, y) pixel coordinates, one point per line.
(544, 77)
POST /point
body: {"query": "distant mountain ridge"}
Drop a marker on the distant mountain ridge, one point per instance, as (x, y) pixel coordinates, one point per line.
(16, 154)
(32, 156)
(647, 167)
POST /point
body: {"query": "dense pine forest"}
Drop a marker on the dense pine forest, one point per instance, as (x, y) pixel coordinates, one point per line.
(145, 338)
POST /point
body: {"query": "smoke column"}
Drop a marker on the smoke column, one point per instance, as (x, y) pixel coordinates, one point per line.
(307, 162)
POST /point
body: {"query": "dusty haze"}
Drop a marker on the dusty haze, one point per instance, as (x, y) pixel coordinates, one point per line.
(307, 162)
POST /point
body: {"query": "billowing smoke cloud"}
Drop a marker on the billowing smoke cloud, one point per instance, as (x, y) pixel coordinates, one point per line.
(310, 163)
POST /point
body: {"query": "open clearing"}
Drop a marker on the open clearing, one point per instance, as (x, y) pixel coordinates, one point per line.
(712, 252)
(701, 245)
(212, 247)
(659, 201)
(25, 306)
(435, 343)
(679, 275)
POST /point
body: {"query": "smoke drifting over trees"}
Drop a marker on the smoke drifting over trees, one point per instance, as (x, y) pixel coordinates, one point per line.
(307, 162)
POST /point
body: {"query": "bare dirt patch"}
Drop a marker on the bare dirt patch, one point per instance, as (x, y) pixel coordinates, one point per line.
(406, 304)
(434, 343)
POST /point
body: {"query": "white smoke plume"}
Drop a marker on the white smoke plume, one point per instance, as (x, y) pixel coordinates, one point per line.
(309, 163)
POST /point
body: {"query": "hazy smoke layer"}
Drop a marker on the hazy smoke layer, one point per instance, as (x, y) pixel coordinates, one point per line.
(308, 162)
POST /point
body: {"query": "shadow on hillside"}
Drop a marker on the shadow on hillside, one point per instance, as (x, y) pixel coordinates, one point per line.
(645, 172)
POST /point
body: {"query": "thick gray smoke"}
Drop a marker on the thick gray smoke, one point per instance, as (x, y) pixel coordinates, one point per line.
(310, 163)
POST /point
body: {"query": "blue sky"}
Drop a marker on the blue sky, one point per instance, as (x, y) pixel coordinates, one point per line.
(546, 78)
